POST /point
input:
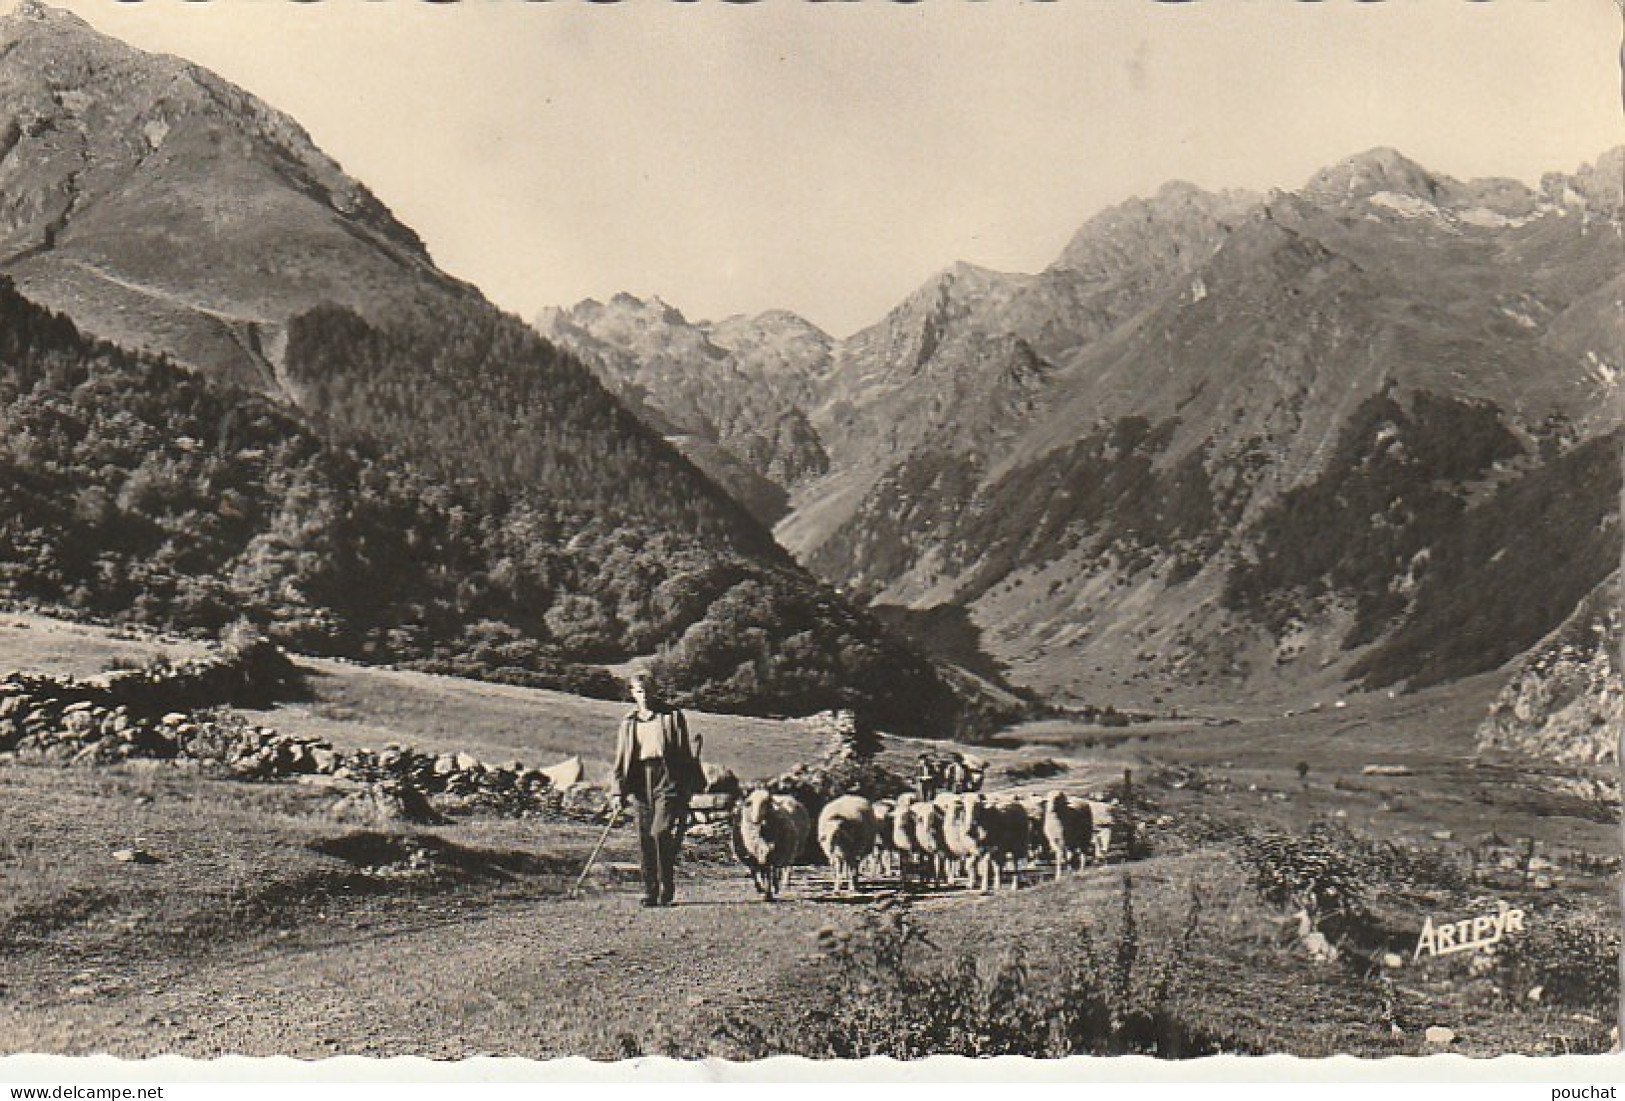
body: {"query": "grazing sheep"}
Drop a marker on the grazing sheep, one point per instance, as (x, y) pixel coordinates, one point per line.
(1069, 828)
(1000, 833)
(846, 833)
(769, 834)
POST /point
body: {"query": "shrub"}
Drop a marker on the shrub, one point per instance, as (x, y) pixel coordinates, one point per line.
(1574, 962)
(241, 637)
(1414, 866)
(1311, 872)
(1041, 769)
(1197, 829)
(887, 995)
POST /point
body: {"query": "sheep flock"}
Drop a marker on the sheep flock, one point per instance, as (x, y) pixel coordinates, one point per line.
(968, 839)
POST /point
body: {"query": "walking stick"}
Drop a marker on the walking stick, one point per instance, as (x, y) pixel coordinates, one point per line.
(596, 849)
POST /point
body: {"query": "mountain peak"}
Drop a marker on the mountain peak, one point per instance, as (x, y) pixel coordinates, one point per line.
(963, 276)
(114, 153)
(55, 32)
(942, 288)
(32, 11)
(770, 325)
(1181, 223)
(787, 319)
(1382, 169)
(1599, 185)
(651, 309)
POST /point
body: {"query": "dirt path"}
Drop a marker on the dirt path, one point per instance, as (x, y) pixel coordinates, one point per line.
(556, 977)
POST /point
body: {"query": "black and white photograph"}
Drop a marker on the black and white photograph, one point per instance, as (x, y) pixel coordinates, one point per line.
(833, 529)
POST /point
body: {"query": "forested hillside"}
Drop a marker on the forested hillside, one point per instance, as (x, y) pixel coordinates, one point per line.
(133, 490)
(477, 394)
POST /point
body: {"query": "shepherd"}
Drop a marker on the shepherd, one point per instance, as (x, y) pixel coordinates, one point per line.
(657, 771)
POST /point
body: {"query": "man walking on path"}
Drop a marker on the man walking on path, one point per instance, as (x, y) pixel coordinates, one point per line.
(657, 770)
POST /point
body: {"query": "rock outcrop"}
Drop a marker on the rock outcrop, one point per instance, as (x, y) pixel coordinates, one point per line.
(1566, 703)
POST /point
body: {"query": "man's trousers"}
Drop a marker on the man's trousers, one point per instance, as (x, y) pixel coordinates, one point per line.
(661, 811)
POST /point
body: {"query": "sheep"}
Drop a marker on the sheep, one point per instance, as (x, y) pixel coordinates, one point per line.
(769, 834)
(1038, 847)
(885, 854)
(1000, 833)
(846, 833)
(1070, 830)
(902, 837)
(1012, 840)
(962, 849)
(1102, 814)
(928, 839)
(929, 778)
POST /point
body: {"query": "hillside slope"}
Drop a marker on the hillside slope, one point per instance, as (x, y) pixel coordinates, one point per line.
(167, 210)
(1257, 465)
(1218, 443)
(730, 395)
(423, 477)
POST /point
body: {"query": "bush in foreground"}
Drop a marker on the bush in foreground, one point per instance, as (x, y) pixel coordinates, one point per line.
(889, 994)
(1565, 960)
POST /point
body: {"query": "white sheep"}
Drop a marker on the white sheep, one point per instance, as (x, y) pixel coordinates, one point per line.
(902, 835)
(929, 841)
(846, 833)
(962, 849)
(1102, 815)
(1069, 828)
(885, 854)
(769, 834)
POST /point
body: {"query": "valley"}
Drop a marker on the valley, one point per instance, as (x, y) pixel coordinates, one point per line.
(1277, 531)
(263, 925)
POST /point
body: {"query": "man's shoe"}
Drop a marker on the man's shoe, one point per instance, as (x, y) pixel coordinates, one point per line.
(650, 903)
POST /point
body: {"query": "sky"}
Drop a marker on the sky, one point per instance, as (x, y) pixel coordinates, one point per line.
(829, 157)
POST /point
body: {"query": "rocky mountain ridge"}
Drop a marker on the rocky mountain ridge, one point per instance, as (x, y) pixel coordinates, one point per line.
(1109, 464)
(728, 394)
(172, 212)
